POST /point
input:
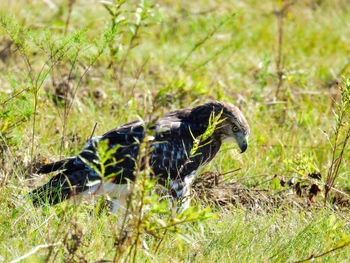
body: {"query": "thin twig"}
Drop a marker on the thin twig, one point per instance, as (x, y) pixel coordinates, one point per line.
(232, 171)
(138, 74)
(160, 242)
(336, 161)
(93, 131)
(14, 96)
(70, 8)
(66, 102)
(323, 254)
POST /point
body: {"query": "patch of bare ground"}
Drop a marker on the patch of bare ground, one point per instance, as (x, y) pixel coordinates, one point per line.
(222, 192)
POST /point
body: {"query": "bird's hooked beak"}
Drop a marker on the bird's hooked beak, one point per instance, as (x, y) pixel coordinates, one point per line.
(243, 144)
(240, 139)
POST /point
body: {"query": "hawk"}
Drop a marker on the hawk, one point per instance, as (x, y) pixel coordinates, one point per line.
(174, 136)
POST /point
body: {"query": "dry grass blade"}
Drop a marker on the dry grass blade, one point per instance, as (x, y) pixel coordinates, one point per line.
(33, 251)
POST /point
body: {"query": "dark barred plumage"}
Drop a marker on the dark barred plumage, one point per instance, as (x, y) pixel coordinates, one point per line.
(169, 156)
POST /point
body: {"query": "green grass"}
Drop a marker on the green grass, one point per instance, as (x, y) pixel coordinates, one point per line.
(185, 53)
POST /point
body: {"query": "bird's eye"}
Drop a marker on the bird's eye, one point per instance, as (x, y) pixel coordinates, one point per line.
(235, 128)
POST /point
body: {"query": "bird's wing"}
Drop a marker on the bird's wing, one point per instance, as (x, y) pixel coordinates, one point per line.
(171, 155)
(124, 143)
(126, 134)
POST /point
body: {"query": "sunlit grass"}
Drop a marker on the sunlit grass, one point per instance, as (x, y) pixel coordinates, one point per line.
(236, 63)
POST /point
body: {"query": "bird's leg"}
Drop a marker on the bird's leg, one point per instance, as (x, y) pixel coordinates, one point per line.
(185, 196)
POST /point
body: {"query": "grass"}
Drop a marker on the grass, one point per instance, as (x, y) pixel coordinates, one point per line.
(182, 54)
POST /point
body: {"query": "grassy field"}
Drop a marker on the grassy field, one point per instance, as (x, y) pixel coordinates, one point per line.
(66, 65)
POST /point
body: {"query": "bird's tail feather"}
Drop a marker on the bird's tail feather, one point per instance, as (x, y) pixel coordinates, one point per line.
(60, 187)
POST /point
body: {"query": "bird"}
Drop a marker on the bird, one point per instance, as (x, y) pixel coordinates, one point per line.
(177, 150)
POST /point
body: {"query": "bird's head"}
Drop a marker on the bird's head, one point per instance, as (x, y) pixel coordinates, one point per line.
(234, 125)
